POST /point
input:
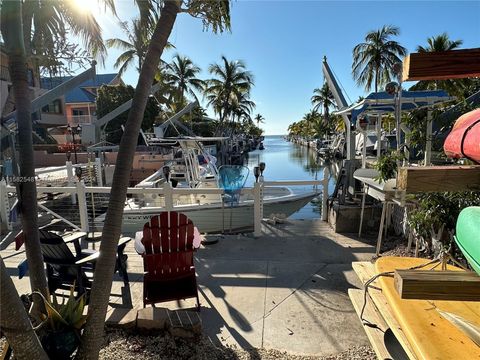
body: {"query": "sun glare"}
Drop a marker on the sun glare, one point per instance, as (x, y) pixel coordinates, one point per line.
(86, 5)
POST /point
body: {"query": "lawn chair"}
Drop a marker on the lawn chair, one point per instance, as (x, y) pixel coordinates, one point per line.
(168, 242)
(65, 269)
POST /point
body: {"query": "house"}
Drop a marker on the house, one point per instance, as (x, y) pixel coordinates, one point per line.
(80, 103)
(49, 116)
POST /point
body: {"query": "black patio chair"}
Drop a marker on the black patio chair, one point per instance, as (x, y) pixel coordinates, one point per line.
(65, 269)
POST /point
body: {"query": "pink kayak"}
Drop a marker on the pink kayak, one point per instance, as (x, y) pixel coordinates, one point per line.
(464, 139)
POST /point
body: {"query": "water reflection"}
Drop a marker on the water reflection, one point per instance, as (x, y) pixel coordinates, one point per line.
(287, 161)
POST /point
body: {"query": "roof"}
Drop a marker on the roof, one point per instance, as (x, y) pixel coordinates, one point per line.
(78, 94)
(382, 102)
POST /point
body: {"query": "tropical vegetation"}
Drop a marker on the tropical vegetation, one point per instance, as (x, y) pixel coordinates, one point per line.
(373, 59)
(228, 91)
(323, 98)
(182, 75)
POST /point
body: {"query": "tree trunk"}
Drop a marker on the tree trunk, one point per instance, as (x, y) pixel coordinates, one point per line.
(92, 338)
(26, 188)
(14, 321)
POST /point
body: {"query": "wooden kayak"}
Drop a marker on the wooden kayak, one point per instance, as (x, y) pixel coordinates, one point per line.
(430, 335)
(463, 140)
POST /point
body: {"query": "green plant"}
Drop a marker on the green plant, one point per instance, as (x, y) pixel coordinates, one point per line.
(60, 326)
(438, 209)
(65, 315)
(387, 165)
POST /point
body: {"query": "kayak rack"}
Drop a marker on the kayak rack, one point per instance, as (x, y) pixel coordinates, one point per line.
(382, 329)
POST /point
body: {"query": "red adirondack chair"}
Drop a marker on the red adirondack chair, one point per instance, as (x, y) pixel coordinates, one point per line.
(168, 240)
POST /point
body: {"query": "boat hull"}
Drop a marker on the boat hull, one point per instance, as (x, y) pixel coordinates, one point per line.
(216, 218)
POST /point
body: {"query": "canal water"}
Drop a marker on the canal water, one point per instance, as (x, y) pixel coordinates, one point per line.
(287, 161)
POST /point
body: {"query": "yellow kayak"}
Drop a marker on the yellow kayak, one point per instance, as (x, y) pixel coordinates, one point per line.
(431, 335)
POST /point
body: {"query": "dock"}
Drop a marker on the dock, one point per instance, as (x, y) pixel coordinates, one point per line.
(285, 290)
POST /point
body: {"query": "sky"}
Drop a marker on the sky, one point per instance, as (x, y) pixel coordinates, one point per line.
(283, 43)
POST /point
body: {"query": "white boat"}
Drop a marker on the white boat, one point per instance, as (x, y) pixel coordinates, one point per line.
(193, 168)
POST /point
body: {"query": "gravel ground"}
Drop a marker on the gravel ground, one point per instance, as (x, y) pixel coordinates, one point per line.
(121, 345)
(397, 247)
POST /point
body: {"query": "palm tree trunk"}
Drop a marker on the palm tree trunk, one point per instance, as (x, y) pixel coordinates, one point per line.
(92, 338)
(14, 321)
(27, 192)
(27, 16)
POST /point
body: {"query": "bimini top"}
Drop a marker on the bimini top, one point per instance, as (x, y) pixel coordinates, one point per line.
(382, 102)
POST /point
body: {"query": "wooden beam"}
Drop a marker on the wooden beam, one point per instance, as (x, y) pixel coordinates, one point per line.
(416, 179)
(375, 333)
(365, 271)
(437, 285)
(453, 64)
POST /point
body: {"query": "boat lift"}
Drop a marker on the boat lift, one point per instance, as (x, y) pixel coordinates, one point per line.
(349, 164)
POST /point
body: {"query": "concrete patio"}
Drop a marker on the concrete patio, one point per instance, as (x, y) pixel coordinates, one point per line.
(286, 290)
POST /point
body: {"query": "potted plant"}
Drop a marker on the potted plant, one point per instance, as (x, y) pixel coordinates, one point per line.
(62, 325)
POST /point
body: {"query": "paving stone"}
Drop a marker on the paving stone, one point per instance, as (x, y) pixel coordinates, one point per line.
(185, 324)
(151, 318)
(122, 318)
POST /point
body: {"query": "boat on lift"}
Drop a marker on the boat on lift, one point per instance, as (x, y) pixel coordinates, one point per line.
(193, 168)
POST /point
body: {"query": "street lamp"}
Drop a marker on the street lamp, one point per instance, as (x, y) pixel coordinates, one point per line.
(74, 131)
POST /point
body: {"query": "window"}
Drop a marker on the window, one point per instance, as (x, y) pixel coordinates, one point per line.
(54, 107)
(77, 112)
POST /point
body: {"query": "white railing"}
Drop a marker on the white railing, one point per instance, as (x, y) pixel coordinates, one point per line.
(79, 192)
(81, 119)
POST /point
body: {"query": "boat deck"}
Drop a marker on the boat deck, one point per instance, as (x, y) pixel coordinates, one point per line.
(287, 290)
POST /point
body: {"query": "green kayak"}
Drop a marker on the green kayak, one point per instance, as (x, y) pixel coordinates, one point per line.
(467, 235)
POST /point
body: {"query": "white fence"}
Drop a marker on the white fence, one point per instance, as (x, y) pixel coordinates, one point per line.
(80, 192)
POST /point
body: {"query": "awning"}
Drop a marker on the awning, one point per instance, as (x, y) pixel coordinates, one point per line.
(382, 102)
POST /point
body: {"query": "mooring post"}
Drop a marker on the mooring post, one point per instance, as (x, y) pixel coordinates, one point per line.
(168, 193)
(82, 205)
(71, 179)
(325, 194)
(257, 209)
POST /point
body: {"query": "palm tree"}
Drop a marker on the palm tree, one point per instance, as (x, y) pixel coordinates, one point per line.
(259, 119)
(231, 81)
(438, 43)
(323, 97)
(373, 59)
(242, 107)
(45, 20)
(215, 15)
(14, 321)
(138, 34)
(182, 75)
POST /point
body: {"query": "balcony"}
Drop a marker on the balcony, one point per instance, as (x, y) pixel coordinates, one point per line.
(81, 119)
